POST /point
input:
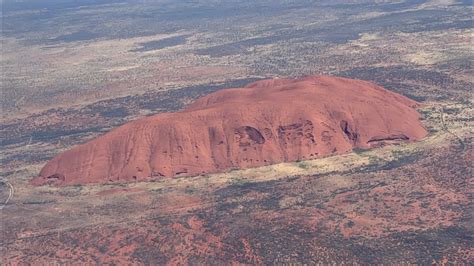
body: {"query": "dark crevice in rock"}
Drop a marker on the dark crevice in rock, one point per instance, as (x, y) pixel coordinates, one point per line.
(349, 132)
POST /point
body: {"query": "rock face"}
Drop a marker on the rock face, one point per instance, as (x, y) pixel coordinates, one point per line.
(267, 122)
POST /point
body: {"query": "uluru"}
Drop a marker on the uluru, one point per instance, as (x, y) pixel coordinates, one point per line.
(266, 122)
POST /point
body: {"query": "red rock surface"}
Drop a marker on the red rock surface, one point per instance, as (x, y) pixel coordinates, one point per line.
(267, 122)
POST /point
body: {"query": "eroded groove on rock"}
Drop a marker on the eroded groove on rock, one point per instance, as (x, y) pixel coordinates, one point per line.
(248, 136)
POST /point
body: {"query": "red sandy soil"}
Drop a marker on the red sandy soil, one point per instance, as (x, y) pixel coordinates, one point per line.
(114, 191)
(267, 122)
